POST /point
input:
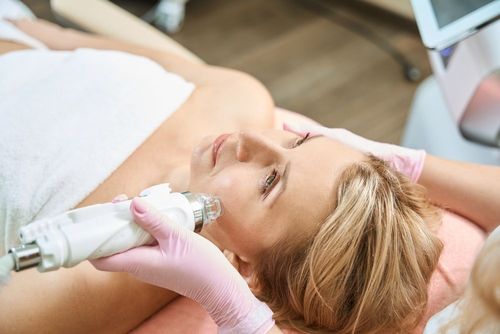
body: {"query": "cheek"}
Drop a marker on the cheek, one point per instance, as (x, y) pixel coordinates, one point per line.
(230, 187)
(236, 225)
(225, 182)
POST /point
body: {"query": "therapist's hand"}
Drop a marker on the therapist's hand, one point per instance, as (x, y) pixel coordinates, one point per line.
(407, 161)
(192, 266)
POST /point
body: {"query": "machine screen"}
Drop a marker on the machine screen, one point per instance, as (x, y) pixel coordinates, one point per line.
(448, 11)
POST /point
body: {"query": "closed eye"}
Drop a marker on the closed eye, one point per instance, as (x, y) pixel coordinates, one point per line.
(301, 140)
(269, 182)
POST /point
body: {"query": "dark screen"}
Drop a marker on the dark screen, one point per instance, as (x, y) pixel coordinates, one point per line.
(448, 11)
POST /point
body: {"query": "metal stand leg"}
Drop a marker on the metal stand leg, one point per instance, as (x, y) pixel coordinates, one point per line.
(168, 15)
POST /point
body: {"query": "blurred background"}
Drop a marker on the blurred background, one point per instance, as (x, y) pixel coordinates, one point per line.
(327, 59)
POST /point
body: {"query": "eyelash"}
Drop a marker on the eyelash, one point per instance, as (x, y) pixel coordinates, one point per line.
(274, 176)
(301, 140)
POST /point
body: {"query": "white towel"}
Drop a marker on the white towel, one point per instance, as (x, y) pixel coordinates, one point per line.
(15, 9)
(67, 121)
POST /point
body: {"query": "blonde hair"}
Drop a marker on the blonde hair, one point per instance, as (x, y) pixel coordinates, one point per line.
(366, 267)
(479, 309)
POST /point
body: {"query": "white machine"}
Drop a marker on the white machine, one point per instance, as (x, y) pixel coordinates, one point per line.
(456, 113)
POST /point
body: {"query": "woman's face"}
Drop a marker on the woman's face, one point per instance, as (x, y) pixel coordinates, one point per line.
(271, 184)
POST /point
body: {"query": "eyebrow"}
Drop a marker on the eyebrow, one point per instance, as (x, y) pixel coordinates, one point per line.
(282, 185)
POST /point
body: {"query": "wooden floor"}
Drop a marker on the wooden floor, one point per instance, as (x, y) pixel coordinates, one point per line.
(309, 62)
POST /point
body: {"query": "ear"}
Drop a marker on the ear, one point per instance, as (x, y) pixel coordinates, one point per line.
(243, 266)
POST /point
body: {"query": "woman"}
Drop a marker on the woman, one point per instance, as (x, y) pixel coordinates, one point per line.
(264, 218)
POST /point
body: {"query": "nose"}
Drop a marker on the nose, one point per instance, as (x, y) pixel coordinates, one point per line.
(257, 148)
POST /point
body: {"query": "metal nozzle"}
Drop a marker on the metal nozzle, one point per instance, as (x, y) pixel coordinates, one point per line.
(26, 256)
(213, 208)
(206, 209)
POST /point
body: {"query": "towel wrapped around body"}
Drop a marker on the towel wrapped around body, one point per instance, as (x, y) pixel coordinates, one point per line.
(68, 119)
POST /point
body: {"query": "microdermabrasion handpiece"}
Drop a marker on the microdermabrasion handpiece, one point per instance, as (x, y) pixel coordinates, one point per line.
(105, 229)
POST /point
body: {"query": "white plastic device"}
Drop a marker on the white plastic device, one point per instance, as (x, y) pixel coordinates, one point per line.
(105, 229)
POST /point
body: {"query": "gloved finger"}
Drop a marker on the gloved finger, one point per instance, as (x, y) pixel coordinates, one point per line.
(130, 261)
(119, 198)
(153, 221)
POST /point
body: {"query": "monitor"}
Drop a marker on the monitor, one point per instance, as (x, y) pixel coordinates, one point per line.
(442, 23)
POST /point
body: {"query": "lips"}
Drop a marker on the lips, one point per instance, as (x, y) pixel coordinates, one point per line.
(217, 145)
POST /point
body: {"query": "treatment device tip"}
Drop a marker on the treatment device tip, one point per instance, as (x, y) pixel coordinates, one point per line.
(6, 266)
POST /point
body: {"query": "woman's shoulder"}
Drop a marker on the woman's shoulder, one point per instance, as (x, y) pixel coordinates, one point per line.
(235, 95)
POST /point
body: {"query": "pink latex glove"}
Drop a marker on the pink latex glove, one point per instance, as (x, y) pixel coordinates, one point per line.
(407, 161)
(192, 266)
